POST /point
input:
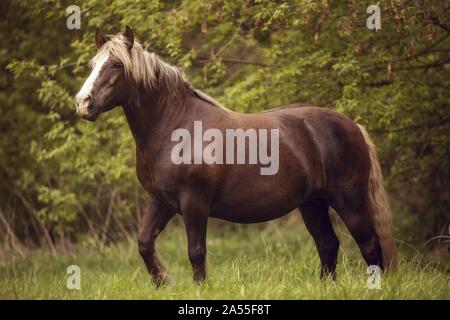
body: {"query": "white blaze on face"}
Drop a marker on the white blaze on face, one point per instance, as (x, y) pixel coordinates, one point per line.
(83, 97)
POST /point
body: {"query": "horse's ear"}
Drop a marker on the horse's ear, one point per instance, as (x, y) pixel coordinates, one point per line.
(129, 37)
(99, 38)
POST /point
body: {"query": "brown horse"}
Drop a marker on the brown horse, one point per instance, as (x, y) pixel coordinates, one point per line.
(325, 159)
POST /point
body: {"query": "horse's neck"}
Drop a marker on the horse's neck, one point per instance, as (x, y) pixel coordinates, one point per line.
(152, 116)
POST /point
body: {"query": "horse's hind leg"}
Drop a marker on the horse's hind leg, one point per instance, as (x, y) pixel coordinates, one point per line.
(356, 216)
(155, 219)
(317, 221)
(195, 210)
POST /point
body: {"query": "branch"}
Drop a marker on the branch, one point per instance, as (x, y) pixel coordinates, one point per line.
(436, 21)
(379, 84)
(238, 61)
(413, 127)
(415, 55)
(427, 66)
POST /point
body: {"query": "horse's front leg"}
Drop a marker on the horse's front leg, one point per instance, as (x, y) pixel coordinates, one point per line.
(155, 219)
(195, 214)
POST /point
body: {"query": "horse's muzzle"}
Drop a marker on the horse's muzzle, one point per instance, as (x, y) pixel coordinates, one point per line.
(90, 117)
(92, 113)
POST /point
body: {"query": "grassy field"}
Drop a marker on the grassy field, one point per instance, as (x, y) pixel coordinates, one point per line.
(270, 261)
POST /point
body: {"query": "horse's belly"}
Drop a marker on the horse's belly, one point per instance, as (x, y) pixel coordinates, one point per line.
(250, 216)
(255, 203)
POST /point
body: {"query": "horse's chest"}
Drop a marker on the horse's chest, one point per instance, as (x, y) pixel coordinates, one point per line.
(143, 172)
(155, 175)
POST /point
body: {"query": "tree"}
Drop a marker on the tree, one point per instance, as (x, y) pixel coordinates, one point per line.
(251, 55)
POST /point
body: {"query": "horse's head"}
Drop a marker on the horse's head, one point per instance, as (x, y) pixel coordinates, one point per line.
(107, 86)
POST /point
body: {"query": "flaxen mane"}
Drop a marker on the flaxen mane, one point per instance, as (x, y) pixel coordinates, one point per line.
(150, 70)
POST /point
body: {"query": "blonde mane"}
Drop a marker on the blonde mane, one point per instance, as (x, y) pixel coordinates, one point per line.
(147, 68)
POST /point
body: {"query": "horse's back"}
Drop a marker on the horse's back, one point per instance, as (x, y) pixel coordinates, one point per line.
(328, 146)
(341, 147)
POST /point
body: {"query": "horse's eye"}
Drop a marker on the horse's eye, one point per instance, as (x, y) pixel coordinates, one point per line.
(117, 65)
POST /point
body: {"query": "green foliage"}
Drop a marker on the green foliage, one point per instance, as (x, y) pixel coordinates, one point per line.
(251, 55)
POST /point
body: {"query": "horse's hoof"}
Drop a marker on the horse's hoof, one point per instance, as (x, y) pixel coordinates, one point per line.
(160, 280)
(199, 279)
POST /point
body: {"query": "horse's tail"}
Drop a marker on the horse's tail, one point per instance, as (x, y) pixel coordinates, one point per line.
(379, 207)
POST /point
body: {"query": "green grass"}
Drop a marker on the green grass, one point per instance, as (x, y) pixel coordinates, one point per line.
(277, 260)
